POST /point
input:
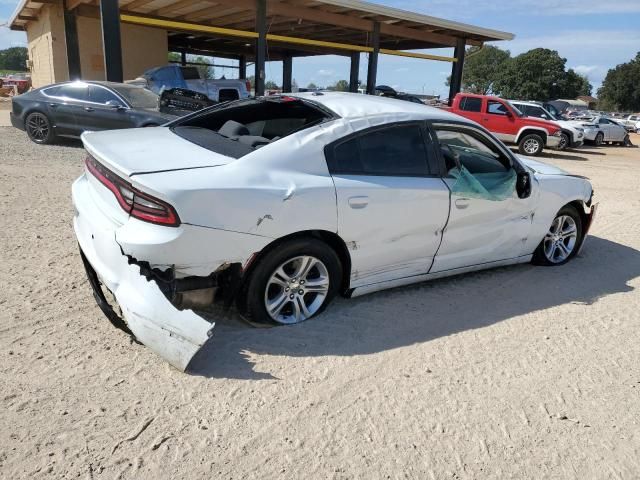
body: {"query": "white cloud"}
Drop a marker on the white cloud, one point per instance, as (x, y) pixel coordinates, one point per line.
(586, 69)
(326, 73)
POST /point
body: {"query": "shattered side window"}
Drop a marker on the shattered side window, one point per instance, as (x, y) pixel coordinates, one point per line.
(480, 171)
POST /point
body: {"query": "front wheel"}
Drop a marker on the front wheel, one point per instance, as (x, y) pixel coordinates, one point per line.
(292, 283)
(562, 241)
(599, 139)
(564, 142)
(531, 145)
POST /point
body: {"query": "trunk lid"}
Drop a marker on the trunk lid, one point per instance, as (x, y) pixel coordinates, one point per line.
(145, 150)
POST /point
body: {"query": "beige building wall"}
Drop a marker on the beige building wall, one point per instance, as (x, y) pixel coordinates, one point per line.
(47, 48)
(142, 48)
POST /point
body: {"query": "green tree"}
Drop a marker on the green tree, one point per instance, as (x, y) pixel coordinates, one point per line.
(14, 58)
(533, 75)
(312, 86)
(341, 86)
(539, 74)
(481, 68)
(621, 87)
(271, 85)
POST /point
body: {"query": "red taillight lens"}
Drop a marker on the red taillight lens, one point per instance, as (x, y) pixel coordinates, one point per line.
(138, 204)
(248, 86)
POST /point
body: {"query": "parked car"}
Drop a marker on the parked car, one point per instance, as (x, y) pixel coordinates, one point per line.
(188, 78)
(508, 123)
(572, 136)
(21, 81)
(70, 108)
(630, 122)
(599, 130)
(386, 91)
(278, 204)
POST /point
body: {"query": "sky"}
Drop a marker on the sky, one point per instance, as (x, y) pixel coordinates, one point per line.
(593, 35)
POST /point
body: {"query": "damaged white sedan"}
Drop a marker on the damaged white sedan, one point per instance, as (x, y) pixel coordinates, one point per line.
(278, 204)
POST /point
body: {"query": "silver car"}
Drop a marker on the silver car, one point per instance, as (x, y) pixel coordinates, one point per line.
(600, 129)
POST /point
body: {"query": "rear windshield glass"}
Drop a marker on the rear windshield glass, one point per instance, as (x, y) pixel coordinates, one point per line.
(237, 128)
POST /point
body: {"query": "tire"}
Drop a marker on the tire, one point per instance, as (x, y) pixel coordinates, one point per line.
(599, 139)
(550, 252)
(627, 141)
(274, 281)
(531, 145)
(565, 141)
(39, 128)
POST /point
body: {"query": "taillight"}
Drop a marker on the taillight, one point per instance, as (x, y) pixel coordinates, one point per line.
(248, 83)
(138, 204)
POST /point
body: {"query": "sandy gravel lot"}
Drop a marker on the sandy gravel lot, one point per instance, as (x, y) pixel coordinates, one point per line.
(518, 373)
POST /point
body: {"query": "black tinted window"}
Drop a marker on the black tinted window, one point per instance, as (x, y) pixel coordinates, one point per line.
(471, 104)
(74, 92)
(393, 151)
(190, 73)
(101, 95)
(227, 95)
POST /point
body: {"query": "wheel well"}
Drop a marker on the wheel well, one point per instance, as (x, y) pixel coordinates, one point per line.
(579, 206)
(330, 238)
(526, 132)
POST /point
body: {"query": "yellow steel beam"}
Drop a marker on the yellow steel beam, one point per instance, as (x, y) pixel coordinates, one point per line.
(195, 27)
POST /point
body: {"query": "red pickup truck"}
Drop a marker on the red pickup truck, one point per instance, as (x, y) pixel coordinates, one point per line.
(508, 123)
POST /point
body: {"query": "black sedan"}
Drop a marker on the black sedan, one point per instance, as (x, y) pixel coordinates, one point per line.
(68, 109)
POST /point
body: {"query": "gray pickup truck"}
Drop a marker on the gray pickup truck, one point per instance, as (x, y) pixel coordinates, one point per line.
(168, 77)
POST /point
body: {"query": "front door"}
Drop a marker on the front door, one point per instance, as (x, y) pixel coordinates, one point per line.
(103, 110)
(488, 221)
(499, 119)
(391, 208)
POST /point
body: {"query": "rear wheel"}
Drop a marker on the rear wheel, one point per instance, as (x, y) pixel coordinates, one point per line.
(561, 242)
(39, 128)
(292, 283)
(531, 145)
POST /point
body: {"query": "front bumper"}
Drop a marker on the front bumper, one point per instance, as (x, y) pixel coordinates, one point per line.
(553, 142)
(173, 334)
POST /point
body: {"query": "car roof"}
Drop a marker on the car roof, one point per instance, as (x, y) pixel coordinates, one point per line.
(523, 102)
(354, 105)
(96, 82)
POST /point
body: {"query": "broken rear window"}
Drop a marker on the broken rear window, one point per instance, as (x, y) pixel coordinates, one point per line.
(237, 128)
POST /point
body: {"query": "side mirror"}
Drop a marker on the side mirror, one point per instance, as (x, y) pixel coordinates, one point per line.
(523, 185)
(115, 105)
(509, 114)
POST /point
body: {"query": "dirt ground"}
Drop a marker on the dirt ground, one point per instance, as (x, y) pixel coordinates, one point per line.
(522, 372)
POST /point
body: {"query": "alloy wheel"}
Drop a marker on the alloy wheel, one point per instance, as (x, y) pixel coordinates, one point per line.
(531, 146)
(38, 127)
(561, 239)
(599, 139)
(564, 142)
(296, 290)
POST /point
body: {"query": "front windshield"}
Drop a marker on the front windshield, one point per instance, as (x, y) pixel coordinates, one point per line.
(138, 97)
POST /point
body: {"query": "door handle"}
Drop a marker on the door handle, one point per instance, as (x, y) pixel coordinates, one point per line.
(462, 203)
(53, 105)
(88, 109)
(358, 202)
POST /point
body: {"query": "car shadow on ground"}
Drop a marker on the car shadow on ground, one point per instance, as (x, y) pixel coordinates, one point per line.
(422, 312)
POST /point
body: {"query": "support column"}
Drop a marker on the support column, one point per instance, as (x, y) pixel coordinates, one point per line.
(455, 85)
(71, 41)
(183, 58)
(372, 71)
(111, 44)
(242, 67)
(355, 70)
(287, 73)
(261, 45)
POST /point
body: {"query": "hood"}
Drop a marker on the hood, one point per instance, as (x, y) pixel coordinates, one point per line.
(539, 122)
(543, 168)
(145, 150)
(157, 113)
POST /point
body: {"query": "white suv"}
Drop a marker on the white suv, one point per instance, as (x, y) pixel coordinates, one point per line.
(572, 135)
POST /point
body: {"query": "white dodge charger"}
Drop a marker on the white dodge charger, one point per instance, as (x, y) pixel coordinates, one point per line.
(278, 204)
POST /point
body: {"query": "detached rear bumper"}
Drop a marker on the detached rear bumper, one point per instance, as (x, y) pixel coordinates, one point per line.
(173, 334)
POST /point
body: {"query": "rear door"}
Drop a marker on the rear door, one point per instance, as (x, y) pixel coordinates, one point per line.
(67, 105)
(391, 204)
(481, 229)
(471, 108)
